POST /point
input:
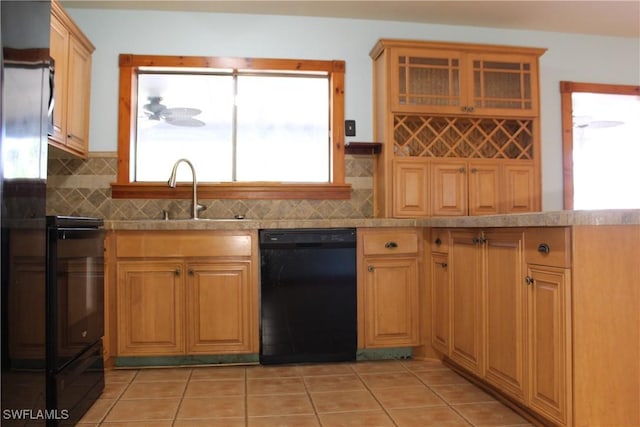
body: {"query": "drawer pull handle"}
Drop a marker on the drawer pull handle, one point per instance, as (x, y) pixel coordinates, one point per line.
(391, 245)
(543, 248)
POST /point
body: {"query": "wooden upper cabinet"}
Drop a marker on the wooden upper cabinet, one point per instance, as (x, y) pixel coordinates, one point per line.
(58, 50)
(454, 79)
(439, 108)
(424, 80)
(71, 50)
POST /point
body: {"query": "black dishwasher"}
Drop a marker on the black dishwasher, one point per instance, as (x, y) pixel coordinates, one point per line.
(308, 295)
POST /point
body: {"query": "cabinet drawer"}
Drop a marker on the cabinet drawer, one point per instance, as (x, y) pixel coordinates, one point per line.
(390, 242)
(178, 244)
(440, 240)
(548, 246)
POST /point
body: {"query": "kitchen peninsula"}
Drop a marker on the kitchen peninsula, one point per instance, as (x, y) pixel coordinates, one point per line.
(560, 342)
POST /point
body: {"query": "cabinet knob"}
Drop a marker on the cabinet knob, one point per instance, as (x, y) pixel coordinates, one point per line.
(370, 268)
(464, 109)
(444, 265)
(474, 170)
(462, 169)
(177, 272)
(438, 241)
(470, 109)
(391, 245)
(543, 248)
(191, 272)
(529, 280)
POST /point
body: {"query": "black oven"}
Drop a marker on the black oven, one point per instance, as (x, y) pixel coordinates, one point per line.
(75, 313)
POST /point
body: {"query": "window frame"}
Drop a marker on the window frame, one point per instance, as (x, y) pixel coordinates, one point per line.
(124, 188)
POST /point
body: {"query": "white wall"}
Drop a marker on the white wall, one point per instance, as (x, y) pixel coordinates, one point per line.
(569, 57)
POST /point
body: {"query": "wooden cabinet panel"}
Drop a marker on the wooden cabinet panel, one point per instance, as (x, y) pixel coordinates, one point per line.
(410, 188)
(71, 51)
(440, 240)
(180, 244)
(389, 287)
(426, 80)
(484, 188)
(465, 261)
(186, 292)
(78, 102)
(448, 78)
(549, 326)
(503, 84)
(548, 246)
(440, 324)
(606, 325)
(520, 189)
(150, 308)
(219, 308)
(505, 315)
(395, 242)
(59, 51)
(391, 302)
(449, 188)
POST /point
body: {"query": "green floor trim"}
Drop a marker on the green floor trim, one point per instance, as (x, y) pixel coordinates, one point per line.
(225, 359)
(384, 353)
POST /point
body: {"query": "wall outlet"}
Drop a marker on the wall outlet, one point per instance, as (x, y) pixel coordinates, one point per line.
(350, 128)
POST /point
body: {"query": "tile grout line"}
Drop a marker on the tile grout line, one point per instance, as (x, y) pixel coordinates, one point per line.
(184, 392)
(313, 405)
(115, 401)
(376, 398)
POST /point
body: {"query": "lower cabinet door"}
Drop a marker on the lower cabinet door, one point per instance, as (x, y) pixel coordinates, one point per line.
(504, 312)
(440, 326)
(219, 308)
(391, 301)
(150, 308)
(549, 343)
(465, 261)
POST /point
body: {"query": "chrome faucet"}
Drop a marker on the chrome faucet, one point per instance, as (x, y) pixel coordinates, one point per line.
(195, 206)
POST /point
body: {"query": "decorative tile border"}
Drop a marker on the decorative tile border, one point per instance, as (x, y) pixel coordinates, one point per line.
(83, 188)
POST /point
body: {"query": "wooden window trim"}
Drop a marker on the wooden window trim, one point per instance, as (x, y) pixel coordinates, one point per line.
(566, 91)
(124, 188)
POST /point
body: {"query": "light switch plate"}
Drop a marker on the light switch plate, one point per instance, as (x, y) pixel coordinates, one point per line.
(350, 128)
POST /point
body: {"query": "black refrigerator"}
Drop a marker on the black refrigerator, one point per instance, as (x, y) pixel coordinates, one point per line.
(52, 267)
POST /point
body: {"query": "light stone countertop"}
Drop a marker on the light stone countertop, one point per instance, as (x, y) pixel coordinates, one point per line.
(537, 219)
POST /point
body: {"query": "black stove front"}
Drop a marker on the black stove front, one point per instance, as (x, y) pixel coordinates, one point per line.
(75, 315)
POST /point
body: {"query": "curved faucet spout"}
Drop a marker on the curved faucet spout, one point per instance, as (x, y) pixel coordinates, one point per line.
(195, 207)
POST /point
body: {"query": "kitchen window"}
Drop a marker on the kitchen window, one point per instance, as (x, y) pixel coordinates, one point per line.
(253, 128)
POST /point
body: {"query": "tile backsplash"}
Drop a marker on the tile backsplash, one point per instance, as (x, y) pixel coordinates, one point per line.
(83, 188)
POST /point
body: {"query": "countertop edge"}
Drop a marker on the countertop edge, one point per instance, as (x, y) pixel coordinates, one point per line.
(535, 219)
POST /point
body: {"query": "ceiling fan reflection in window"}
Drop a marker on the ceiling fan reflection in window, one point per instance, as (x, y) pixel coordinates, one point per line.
(178, 116)
(582, 122)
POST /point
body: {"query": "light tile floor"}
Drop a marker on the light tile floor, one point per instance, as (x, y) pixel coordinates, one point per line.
(371, 394)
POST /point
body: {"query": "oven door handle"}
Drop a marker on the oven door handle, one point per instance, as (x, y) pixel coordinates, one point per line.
(80, 233)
